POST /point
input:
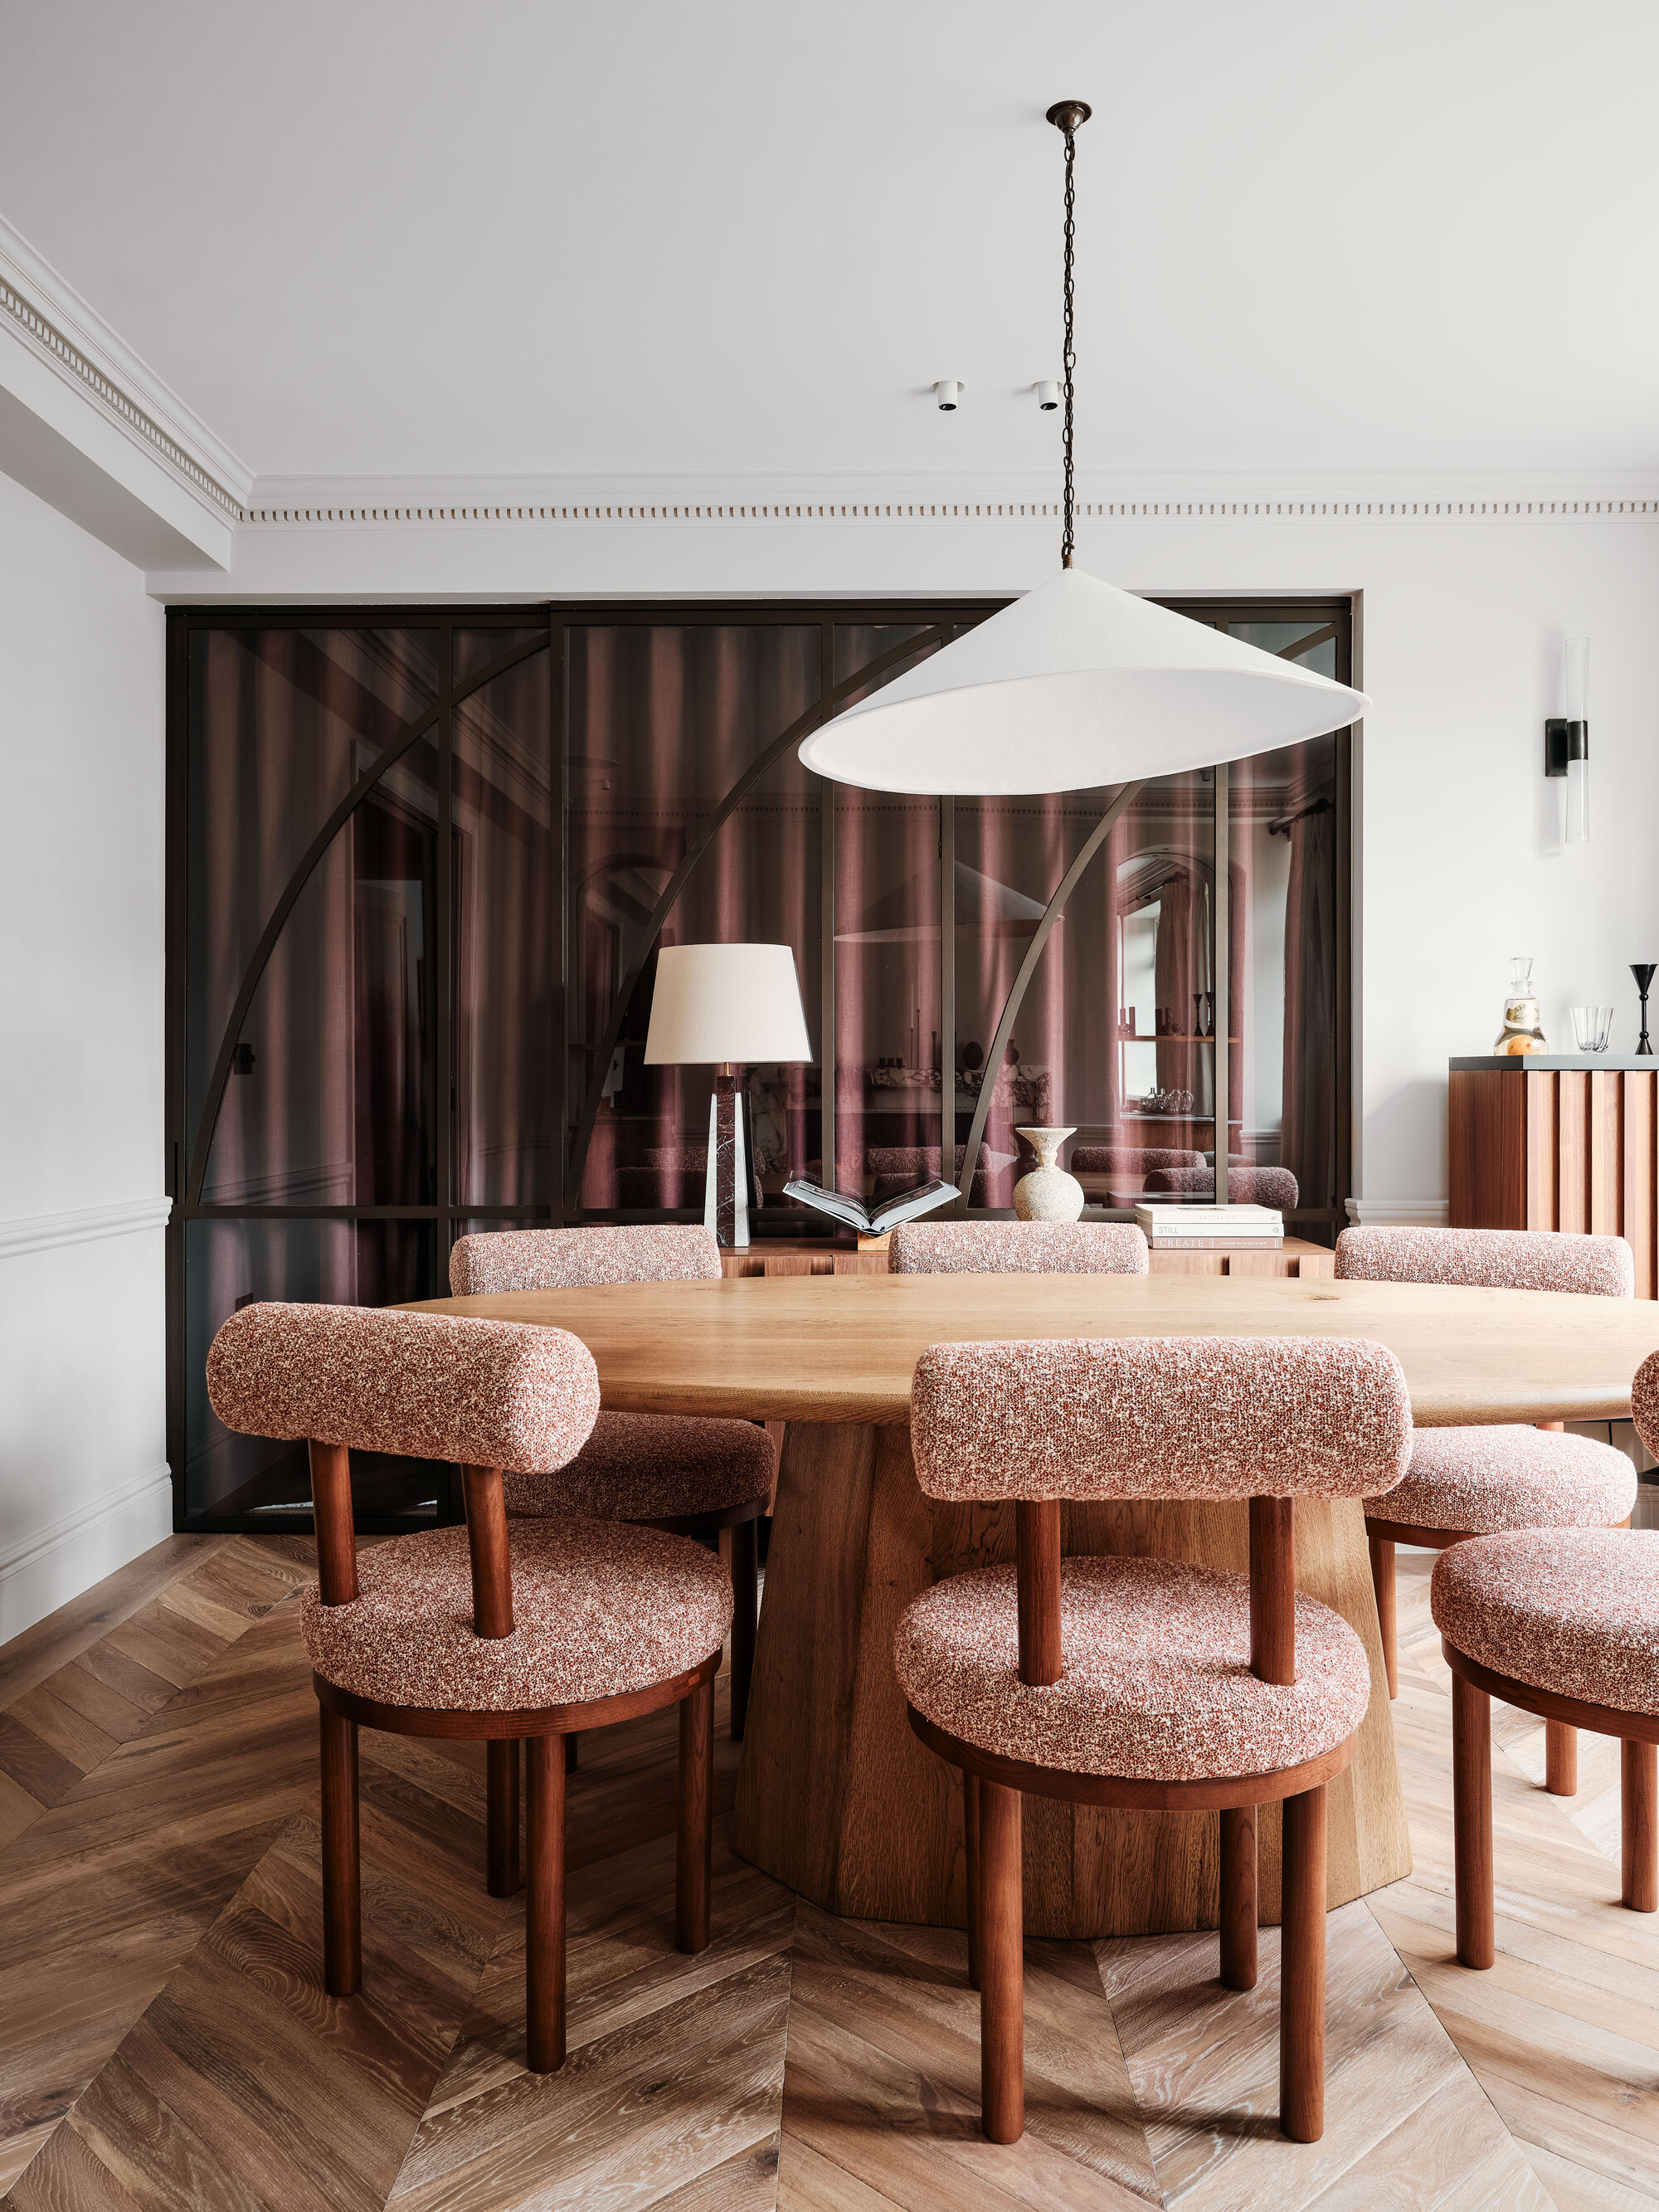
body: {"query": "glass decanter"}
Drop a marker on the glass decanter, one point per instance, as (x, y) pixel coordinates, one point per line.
(1522, 1031)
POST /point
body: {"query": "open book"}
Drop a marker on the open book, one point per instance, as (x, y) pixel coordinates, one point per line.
(854, 1212)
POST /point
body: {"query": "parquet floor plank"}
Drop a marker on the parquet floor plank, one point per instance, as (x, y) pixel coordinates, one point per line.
(18, 1809)
(164, 2040)
(67, 1731)
(809, 2182)
(1204, 2064)
(89, 1618)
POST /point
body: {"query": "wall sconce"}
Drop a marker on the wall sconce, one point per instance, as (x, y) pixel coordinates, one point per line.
(1566, 739)
(1047, 394)
(947, 394)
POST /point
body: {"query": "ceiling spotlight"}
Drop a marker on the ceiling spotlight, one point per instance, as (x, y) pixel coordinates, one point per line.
(948, 392)
(1047, 394)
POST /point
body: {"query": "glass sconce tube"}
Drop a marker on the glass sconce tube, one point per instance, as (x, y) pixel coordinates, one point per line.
(1575, 676)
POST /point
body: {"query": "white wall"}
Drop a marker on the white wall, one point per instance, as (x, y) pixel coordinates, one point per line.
(83, 1480)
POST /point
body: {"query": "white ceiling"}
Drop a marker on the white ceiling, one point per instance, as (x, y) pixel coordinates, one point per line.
(424, 237)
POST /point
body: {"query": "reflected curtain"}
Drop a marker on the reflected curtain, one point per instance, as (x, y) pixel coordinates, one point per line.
(1308, 1143)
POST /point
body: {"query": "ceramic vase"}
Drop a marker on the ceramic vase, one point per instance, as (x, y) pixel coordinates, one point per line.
(1048, 1194)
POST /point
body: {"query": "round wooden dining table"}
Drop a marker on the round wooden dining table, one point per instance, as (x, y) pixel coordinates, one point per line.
(835, 1796)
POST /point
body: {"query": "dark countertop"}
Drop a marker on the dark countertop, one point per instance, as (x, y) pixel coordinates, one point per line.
(1588, 1062)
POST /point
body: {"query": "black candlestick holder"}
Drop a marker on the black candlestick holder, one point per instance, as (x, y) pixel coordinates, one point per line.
(1643, 971)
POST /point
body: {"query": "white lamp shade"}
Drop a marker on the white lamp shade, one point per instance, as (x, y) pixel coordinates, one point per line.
(715, 1003)
(1076, 684)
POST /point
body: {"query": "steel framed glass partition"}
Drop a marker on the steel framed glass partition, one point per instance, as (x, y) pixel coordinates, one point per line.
(420, 865)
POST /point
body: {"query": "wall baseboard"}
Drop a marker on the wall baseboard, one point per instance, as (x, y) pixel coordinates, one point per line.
(39, 1232)
(1398, 1213)
(47, 1567)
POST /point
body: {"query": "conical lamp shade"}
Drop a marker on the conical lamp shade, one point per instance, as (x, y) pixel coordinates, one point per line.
(1076, 684)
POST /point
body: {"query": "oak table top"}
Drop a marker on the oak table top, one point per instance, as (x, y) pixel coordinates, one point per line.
(827, 1348)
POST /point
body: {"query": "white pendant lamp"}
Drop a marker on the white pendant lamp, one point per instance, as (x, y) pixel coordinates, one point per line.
(1077, 683)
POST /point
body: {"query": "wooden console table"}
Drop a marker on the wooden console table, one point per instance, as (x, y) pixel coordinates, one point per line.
(822, 1256)
(1557, 1141)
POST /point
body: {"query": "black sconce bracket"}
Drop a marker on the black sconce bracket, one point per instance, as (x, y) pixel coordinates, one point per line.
(1565, 741)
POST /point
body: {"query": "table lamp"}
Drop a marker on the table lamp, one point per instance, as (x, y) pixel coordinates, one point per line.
(730, 1005)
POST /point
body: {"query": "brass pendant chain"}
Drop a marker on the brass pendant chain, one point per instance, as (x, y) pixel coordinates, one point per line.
(1068, 116)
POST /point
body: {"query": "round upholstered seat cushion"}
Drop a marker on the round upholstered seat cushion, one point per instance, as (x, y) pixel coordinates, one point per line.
(1156, 1682)
(1572, 1610)
(654, 1467)
(599, 1608)
(1483, 1479)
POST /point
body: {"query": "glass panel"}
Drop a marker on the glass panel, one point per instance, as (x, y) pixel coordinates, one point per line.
(1109, 1038)
(757, 882)
(1281, 834)
(473, 650)
(504, 889)
(889, 992)
(230, 1264)
(855, 645)
(664, 719)
(329, 1098)
(282, 724)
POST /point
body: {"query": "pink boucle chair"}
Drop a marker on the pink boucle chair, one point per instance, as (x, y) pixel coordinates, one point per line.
(1017, 1248)
(1563, 1623)
(692, 1476)
(462, 1633)
(1139, 1682)
(1478, 1481)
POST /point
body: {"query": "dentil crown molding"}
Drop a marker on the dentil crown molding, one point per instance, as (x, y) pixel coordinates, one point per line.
(282, 504)
(40, 307)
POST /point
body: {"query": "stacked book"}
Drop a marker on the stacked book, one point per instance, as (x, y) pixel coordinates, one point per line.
(1211, 1228)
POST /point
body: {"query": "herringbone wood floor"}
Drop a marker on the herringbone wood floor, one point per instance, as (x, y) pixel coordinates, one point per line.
(165, 2041)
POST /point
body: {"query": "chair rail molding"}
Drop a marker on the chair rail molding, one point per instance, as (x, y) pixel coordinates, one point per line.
(40, 1232)
(1398, 1213)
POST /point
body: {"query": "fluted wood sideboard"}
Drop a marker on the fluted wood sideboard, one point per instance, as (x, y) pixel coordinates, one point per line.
(1549, 1142)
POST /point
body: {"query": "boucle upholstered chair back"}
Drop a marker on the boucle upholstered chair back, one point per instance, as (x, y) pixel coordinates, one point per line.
(1262, 1418)
(1160, 1417)
(1644, 1402)
(1017, 1248)
(491, 1395)
(577, 1259)
(1489, 1259)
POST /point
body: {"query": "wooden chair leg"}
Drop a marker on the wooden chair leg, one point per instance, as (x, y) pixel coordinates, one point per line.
(694, 1853)
(1560, 1758)
(544, 1904)
(570, 1743)
(1640, 1779)
(746, 1593)
(343, 1935)
(502, 1817)
(1238, 1898)
(1001, 1966)
(1302, 1970)
(1471, 1822)
(1382, 1551)
(970, 1839)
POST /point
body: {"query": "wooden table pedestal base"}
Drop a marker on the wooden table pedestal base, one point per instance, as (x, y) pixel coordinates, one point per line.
(838, 1799)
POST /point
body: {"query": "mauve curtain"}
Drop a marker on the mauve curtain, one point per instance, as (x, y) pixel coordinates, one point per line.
(1308, 1147)
(504, 860)
(663, 721)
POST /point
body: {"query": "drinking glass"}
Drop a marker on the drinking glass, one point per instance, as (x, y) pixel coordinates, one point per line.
(1591, 1028)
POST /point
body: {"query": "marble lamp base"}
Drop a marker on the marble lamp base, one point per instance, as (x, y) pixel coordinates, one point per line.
(726, 1192)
